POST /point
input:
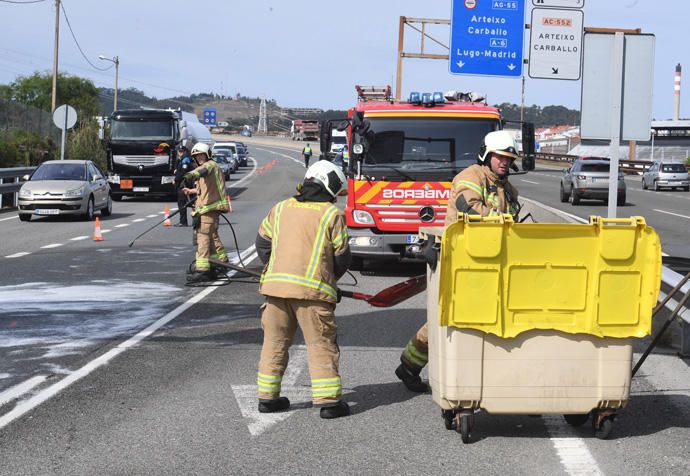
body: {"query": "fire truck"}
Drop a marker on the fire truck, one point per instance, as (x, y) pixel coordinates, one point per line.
(403, 157)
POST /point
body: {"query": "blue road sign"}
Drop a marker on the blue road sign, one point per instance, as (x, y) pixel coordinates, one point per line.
(486, 37)
(210, 116)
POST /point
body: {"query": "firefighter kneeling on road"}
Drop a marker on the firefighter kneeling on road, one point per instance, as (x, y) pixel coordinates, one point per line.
(481, 189)
(303, 243)
(211, 201)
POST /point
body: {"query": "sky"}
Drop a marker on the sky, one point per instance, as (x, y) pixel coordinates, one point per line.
(302, 53)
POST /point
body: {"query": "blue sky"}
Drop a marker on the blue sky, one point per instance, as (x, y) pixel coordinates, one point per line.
(306, 53)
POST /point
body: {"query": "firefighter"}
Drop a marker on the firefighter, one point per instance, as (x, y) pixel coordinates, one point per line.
(184, 164)
(481, 189)
(303, 243)
(211, 202)
(306, 154)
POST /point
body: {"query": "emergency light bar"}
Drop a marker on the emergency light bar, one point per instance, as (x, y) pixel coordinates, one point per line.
(426, 99)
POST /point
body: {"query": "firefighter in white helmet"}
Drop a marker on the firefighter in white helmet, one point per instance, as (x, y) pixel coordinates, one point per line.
(303, 243)
(481, 189)
(212, 200)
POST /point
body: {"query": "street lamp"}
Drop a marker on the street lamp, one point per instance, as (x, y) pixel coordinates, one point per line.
(115, 60)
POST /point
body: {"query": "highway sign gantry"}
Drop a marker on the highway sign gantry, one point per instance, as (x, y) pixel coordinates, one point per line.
(486, 37)
(555, 49)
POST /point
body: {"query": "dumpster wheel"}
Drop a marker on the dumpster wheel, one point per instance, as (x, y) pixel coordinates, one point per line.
(448, 419)
(602, 422)
(464, 421)
(576, 419)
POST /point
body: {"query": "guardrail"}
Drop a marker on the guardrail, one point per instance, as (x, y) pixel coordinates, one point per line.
(15, 174)
(627, 166)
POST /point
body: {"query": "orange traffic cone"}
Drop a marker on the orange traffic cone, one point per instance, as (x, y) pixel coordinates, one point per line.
(97, 235)
(229, 205)
(167, 221)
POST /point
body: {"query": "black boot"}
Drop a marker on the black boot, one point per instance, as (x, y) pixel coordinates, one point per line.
(276, 405)
(411, 379)
(335, 410)
(200, 277)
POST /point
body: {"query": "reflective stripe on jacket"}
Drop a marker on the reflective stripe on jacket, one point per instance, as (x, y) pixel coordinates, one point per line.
(478, 191)
(305, 236)
(212, 195)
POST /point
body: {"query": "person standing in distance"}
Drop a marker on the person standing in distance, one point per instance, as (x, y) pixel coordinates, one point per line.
(184, 165)
(211, 202)
(306, 154)
(481, 189)
(303, 243)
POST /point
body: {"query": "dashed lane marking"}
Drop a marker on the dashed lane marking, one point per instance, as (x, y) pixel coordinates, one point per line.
(18, 255)
(52, 245)
(572, 450)
(529, 181)
(122, 225)
(138, 220)
(25, 406)
(105, 231)
(79, 238)
(151, 216)
(671, 213)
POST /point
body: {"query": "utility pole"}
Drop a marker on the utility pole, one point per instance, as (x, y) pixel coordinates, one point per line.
(55, 54)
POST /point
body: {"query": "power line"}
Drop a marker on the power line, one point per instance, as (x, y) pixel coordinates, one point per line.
(62, 5)
(22, 3)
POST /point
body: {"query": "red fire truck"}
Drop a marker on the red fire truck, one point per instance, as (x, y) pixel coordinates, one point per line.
(404, 155)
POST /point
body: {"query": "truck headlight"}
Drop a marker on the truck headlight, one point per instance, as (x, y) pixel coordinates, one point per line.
(358, 148)
(25, 193)
(363, 217)
(77, 192)
(114, 179)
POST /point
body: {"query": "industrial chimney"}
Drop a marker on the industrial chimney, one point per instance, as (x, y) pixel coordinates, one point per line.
(676, 94)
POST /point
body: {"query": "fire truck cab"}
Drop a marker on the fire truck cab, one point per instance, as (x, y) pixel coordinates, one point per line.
(403, 157)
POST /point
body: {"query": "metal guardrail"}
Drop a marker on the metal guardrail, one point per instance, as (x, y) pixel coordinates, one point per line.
(627, 166)
(14, 186)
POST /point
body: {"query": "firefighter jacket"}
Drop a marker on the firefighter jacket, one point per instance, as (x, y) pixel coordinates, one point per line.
(306, 238)
(211, 183)
(477, 190)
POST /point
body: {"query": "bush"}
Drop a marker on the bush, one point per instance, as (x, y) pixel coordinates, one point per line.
(84, 144)
(22, 148)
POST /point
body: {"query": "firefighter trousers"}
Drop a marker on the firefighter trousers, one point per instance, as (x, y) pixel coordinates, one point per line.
(279, 321)
(416, 353)
(208, 244)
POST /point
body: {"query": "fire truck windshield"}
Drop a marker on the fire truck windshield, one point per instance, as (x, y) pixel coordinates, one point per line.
(416, 143)
(141, 130)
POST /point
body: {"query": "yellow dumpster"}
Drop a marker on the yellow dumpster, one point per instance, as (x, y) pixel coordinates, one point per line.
(538, 318)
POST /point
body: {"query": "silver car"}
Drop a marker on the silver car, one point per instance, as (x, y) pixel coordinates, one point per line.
(588, 178)
(665, 174)
(65, 187)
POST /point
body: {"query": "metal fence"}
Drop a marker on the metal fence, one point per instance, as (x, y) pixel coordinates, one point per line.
(627, 166)
(10, 183)
(18, 116)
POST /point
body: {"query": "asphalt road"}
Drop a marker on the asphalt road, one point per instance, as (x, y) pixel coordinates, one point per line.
(110, 365)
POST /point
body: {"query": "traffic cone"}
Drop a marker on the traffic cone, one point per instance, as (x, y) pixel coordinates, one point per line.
(229, 205)
(97, 235)
(167, 221)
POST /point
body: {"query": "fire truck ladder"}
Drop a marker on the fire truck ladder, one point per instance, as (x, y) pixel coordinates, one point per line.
(374, 93)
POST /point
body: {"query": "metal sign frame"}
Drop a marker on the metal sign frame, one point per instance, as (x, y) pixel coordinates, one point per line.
(569, 38)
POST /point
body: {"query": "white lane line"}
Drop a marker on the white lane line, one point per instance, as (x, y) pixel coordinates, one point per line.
(105, 231)
(122, 225)
(282, 155)
(568, 216)
(138, 220)
(572, 450)
(671, 213)
(151, 216)
(9, 218)
(52, 245)
(18, 390)
(79, 238)
(529, 181)
(18, 255)
(26, 406)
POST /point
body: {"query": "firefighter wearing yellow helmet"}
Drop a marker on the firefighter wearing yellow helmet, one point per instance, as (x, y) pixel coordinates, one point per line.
(303, 243)
(212, 200)
(481, 189)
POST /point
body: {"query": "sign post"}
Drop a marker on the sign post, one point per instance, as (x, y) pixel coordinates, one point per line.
(64, 117)
(486, 37)
(555, 49)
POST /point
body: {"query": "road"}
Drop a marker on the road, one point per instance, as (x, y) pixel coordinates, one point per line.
(110, 365)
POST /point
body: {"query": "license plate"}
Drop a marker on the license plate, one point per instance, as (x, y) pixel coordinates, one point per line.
(412, 239)
(126, 183)
(140, 189)
(47, 211)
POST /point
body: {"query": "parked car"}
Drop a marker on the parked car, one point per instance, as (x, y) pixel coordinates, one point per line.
(222, 164)
(588, 178)
(227, 146)
(229, 157)
(665, 174)
(65, 187)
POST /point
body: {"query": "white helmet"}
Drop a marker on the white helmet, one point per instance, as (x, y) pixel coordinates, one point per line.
(201, 148)
(498, 142)
(329, 175)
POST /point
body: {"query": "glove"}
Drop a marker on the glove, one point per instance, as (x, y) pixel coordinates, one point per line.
(196, 221)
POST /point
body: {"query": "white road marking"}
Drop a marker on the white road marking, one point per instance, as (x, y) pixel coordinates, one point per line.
(79, 238)
(13, 393)
(572, 450)
(9, 218)
(245, 178)
(26, 406)
(173, 209)
(52, 245)
(18, 255)
(151, 216)
(122, 225)
(282, 155)
(138, 220)
(105, 231)
(671, 213)
(529, 181)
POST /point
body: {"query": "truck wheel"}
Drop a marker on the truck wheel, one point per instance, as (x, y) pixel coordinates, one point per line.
(25, 217)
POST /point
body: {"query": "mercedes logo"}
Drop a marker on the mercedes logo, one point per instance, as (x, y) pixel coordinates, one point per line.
(141, 167)
(427, 214)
